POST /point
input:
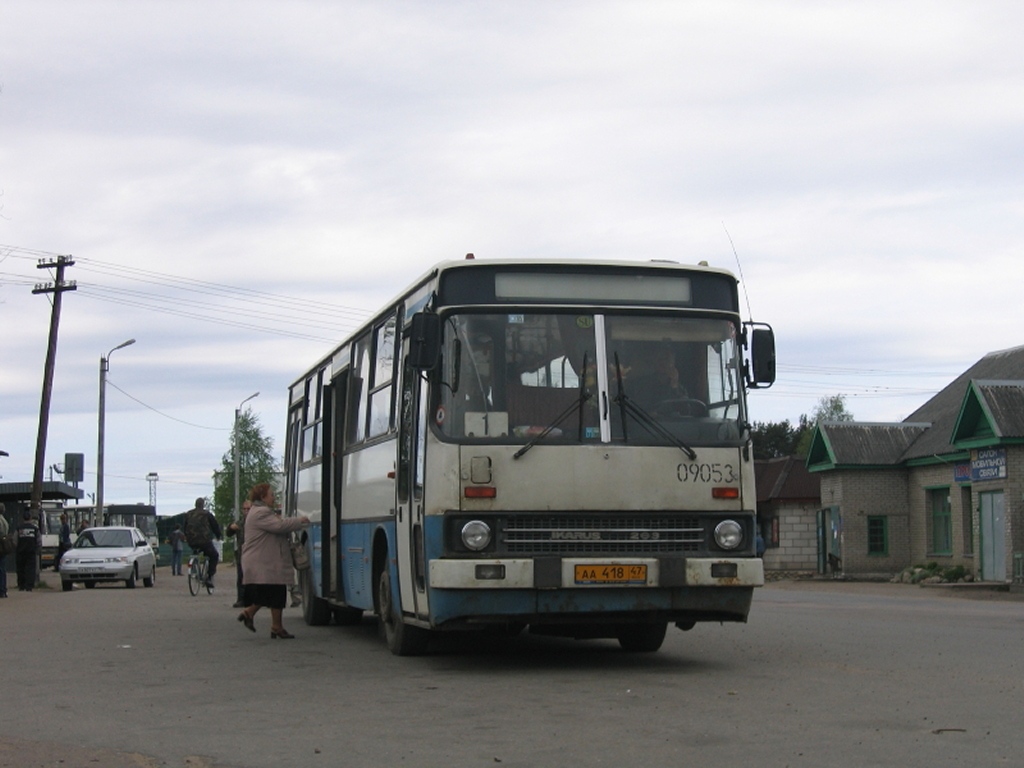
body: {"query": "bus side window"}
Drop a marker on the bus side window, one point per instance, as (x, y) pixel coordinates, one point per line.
(359, 390)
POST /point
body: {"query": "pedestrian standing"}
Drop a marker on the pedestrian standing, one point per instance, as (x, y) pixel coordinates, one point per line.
(237, 529)
(4, 530)
(177, 542)
(64, 543)
(27, 553)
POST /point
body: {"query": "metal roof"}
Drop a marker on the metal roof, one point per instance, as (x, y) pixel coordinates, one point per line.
(862, 443)
(943, 410)
(52, 491)
(1004, 402)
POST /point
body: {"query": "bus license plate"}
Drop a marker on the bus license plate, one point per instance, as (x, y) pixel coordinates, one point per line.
(611, 574)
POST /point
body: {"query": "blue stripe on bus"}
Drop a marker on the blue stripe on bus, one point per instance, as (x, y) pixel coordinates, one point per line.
(448, 604)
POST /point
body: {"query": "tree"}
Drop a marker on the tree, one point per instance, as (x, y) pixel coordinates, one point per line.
(780, 438)
(830, 408)
(256, 464)
(774, 439)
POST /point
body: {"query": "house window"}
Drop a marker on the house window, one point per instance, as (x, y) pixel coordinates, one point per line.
(941, 519)
(878, 535)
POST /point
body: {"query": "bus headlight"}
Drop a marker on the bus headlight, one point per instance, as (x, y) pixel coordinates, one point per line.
(728, 534)
(476, 535)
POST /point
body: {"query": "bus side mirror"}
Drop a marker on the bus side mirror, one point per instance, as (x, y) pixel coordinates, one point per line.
(762, 357)
(424, 341)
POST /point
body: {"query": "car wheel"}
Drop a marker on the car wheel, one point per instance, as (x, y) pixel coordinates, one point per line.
(89, 584)
(67, 586)
(130, 581)
(150, 580)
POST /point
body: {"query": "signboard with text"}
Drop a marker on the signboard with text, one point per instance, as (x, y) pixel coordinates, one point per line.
(988, 464)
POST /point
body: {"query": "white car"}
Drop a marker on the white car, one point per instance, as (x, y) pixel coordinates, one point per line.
(111, 553)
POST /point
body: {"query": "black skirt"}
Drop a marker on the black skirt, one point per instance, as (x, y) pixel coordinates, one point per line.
(266, 595)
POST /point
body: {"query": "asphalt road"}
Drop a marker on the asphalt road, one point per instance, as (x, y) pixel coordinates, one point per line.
(824, 674)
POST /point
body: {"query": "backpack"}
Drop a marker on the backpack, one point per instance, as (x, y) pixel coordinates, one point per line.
(197, 528)
(8, 544)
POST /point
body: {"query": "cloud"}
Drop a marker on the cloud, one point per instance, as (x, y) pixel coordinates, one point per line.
(243, 183)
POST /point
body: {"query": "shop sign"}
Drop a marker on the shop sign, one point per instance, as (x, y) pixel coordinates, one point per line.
(988, 464)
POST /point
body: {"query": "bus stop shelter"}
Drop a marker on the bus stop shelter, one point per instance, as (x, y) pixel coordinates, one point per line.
(16, 497)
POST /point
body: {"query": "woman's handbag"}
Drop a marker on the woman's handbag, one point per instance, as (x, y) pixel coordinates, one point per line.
(300, 557)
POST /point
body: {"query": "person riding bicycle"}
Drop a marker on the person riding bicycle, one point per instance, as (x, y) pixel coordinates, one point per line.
(201, 528)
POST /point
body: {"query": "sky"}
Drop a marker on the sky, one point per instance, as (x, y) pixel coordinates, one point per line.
(239, 185)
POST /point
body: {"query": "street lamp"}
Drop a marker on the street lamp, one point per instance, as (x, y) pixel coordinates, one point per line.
(238, 412)
(97, 513)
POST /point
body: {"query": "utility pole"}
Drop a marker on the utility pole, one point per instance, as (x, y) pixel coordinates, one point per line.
(57, 288)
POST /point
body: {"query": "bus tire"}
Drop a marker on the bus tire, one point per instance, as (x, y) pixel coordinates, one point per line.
(315, 611)
(642, 638)
(401, 639)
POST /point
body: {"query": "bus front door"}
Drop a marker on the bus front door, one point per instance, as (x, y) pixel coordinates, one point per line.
(409, 492)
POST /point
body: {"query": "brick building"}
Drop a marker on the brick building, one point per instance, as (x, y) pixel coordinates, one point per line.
(788, 500)
(946, 485)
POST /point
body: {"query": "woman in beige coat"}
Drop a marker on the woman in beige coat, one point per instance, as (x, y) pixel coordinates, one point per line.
(267, 560)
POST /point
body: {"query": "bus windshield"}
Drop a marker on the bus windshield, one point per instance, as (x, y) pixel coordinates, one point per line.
(644, 379)
(144, 521)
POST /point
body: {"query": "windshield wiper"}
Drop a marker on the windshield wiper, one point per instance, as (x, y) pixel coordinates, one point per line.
(627, 406)
(576, 405)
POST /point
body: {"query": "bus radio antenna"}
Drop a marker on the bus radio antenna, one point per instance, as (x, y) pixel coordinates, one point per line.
(739, 267)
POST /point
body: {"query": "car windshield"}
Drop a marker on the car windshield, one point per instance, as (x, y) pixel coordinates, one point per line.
(660, 379)
(98, 537)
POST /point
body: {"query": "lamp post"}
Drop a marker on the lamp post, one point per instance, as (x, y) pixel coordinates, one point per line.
(97, 512)
(234, 442)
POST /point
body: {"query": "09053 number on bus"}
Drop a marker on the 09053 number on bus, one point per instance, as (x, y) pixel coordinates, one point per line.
(706, 473)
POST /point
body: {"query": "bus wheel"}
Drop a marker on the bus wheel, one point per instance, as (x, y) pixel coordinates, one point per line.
(401, 639)
(315, 611)
(642, 638)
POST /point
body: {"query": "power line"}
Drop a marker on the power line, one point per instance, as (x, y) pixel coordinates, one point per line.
(165, 415)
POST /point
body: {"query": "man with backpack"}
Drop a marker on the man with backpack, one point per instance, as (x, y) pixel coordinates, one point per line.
(201, 528)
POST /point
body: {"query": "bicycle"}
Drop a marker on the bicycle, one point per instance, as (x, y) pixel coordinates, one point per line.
(198, 574)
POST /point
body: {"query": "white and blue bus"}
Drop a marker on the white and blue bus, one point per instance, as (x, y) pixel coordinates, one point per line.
(563, 446)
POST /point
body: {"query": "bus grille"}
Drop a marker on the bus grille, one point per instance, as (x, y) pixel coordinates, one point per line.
(591, 534)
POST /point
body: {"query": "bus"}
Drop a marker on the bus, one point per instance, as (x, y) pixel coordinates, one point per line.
(49, 534)
(141, 516)
(490, 451)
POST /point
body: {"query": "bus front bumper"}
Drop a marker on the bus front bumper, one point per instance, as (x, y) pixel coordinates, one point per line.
(591, 573)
